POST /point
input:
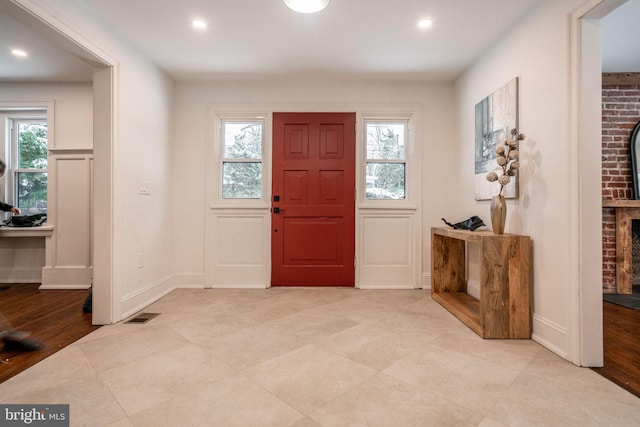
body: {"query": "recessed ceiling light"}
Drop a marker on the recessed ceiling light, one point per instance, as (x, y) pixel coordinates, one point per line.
(307, 6)
(425, 23)
(19, 52)
(199, 24)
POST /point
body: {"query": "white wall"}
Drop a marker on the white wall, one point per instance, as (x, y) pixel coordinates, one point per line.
(145, 129)
(142, 225)
(537, 50)
(73, 106)
(191, 137)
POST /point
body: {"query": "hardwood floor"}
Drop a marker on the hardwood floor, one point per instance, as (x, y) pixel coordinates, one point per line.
(621, 347)
(54, 318)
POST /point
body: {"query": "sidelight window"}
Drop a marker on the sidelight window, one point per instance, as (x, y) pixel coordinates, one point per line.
(243, 146)
(386, 165)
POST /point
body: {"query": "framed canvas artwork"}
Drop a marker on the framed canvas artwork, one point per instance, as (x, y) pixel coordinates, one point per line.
(495, 116)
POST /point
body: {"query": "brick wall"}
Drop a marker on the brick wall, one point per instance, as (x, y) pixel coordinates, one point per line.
(620, 113)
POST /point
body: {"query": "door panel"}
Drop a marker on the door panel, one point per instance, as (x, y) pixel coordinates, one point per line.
(313, 215)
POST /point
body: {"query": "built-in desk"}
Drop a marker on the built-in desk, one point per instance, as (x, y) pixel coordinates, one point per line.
(23, 253)
(39, 231)
(504, 307)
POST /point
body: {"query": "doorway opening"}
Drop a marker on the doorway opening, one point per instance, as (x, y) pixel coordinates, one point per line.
(100, 157)
(598, 346)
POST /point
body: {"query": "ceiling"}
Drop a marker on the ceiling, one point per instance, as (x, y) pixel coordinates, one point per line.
(620, 42)
(251, 39)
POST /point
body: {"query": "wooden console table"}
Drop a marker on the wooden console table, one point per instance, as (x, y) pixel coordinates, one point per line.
(504, 307)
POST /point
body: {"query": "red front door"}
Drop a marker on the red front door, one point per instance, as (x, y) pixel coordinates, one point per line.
(313, 206)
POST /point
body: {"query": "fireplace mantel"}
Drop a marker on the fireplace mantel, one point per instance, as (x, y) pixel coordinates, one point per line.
(621, 203)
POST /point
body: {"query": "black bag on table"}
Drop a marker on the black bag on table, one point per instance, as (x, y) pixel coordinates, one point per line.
(26, 220)
(468, 224)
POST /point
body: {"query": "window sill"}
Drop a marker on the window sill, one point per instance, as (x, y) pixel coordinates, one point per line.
(387, 204)
(258, 204)
(39, 231)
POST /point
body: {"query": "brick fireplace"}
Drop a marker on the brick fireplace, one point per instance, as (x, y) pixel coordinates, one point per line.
(627, 238)
(620, 113)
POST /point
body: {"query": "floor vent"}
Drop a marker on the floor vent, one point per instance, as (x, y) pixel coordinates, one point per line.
(142, 317)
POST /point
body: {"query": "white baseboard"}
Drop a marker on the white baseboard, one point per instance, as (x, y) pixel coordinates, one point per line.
(189, 280)
(426, 281)
(550, 335)
(138, 300)
(66, 277)
(189, 286)
(238, 286)
(60, 287)
(21, 275)
(473, 289)
(383, 287)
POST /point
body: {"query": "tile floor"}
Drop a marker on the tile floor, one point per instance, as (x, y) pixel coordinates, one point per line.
(314, 357)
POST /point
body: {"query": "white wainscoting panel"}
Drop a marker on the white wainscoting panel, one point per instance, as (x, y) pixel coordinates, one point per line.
(237, 253)
(68, 250)
(388, 251)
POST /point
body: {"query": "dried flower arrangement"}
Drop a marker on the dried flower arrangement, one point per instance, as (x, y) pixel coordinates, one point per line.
(507, 159)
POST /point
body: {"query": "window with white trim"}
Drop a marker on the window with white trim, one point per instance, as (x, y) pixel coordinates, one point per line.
(26, 176)
(242, 157)
(386, 159)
